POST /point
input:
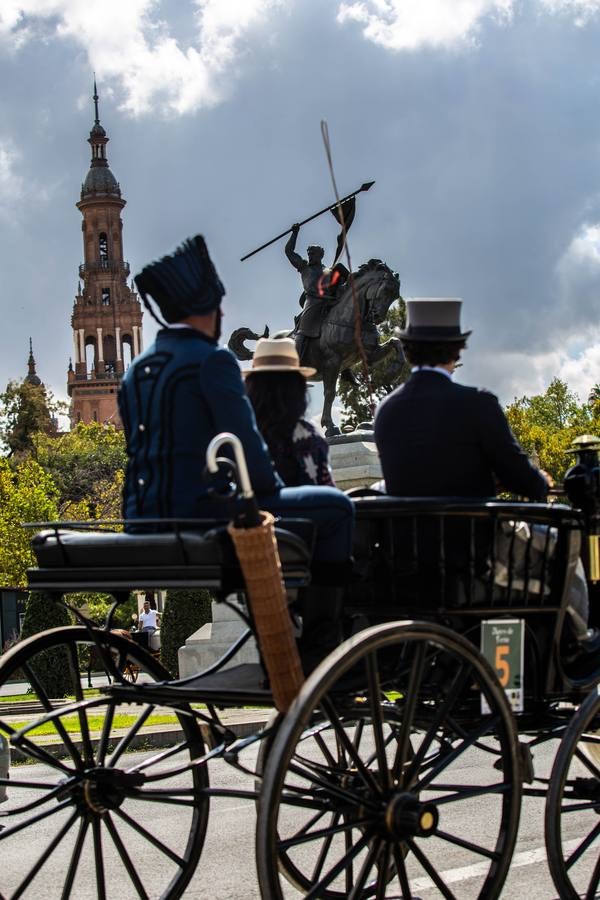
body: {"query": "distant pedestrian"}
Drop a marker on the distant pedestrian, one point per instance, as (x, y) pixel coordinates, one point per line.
(148, 618)
(277, 388)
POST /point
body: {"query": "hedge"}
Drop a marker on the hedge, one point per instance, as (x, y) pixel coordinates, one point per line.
(52, 666)
(184, 613)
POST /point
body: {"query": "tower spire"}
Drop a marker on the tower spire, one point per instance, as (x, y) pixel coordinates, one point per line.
(95, 98)
(32, 376)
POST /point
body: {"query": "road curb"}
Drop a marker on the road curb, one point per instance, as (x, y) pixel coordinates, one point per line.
(242, 723)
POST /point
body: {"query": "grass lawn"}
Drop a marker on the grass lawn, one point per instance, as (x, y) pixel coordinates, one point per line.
(95, 723)
(24, 698)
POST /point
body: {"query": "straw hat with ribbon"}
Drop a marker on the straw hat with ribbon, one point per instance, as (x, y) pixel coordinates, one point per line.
(277, 355)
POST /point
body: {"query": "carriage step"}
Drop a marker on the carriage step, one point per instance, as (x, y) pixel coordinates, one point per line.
(239, 685)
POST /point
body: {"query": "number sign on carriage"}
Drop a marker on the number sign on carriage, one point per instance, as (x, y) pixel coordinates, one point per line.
(502, 644)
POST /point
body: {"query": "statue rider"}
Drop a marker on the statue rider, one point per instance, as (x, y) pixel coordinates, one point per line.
(318, 281)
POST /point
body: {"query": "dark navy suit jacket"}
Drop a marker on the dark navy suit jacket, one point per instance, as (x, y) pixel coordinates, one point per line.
(439, 438)
(174, 398)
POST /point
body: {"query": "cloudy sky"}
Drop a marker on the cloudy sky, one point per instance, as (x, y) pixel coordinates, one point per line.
(478, 119)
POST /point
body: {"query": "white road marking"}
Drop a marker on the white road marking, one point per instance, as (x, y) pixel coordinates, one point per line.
(525, 858)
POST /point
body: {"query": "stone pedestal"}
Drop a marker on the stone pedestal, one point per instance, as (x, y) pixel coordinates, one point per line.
(209, 643)
(354, 459)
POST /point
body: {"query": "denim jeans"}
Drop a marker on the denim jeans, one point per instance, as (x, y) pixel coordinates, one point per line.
(330, 510)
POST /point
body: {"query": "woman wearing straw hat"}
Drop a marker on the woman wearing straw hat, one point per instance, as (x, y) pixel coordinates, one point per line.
(276, 385)
(181, 392)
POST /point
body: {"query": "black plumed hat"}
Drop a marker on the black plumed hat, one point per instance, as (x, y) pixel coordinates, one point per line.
(182, 284)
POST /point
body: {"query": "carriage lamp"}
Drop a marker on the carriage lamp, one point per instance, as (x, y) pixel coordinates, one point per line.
(582, 487)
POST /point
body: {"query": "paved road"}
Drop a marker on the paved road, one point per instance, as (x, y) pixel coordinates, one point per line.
(227, 869)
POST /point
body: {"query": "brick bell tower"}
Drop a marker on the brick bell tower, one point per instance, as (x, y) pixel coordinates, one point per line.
(107, 313)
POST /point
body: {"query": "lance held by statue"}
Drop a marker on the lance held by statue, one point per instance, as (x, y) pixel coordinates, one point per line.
(340, 310)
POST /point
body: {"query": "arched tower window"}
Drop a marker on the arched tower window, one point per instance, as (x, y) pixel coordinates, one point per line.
(110, 361)
(105, 296)
(103, 245)
(127, 350)
(90, 354)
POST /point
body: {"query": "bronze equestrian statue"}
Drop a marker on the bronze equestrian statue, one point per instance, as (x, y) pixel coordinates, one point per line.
(332, 348)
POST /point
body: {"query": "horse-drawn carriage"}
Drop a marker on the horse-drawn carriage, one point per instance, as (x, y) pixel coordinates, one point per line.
(402, 760)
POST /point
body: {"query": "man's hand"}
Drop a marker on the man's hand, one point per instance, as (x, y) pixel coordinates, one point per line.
(295, 229)
(548, 478)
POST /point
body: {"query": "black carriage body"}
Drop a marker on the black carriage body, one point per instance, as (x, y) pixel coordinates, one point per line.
(456, 562)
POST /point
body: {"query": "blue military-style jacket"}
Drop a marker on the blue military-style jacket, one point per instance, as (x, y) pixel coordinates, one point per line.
(174, 398)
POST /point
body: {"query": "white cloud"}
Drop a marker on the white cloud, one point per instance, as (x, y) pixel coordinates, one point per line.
(127, 41)
(415, 24)
(513, 374)
(410, 25)
(582, 10)
(11, 183)
(578, 282)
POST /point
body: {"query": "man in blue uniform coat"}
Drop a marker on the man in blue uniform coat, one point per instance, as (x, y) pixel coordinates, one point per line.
(182, 391)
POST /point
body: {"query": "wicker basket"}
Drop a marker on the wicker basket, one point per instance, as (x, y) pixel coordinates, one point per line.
(256, 549)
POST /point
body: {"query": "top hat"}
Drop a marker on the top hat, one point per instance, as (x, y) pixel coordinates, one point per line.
(433, 319)
(277, 355)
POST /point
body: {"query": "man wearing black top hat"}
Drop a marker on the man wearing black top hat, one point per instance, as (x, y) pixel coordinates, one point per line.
(439, 438)
(182, 391)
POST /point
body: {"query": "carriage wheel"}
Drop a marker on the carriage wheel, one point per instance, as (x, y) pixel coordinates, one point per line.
(573, 806)
(87, 814)
(386, 779)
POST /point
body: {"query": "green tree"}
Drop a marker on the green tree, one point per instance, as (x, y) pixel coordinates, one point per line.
(25, 410)
(184, 613)
(52, 667)
(27, 494)
(384, 376)
(87, 466)
(547, 424)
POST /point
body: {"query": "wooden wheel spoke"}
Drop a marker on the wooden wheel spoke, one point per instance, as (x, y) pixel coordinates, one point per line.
(44, 856)
(349, 747)
(591, 892)
(53, 792)
(60, 728)
(340, 793)
(374, 685)
(14, 829)
(461, 792)
(487, 724)
(587, 762)
(127, 738)
(99, 859)
(335, 817)
(88, 751)
(308, 825)
(337, 869)
(143, 832)
(408, 710)
(105, 735)
(382, 873)
(365, 870)
(583, 846)
(125, 858)
(321, 834)
(431, 871)
(74, 861)
(402, 874)
(442, 712)
(331, 761)
(467, 845)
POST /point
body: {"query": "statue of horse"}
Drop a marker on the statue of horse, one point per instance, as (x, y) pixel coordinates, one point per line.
(335, 350)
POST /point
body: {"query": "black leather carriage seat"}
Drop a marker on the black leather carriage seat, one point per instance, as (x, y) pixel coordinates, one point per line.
(76, 560)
